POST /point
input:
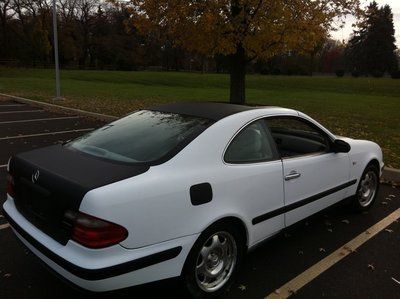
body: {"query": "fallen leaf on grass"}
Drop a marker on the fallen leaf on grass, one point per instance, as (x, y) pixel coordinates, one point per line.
(346, 221)
(371, 267)
(392, 195)
(388, 230)
(322, 250)
(242, 287)
(300, 252)
(330, 230)
(7, 275)
(384, 203)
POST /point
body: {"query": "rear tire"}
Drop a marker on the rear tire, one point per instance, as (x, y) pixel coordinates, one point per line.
(367, 189)
(212, 264)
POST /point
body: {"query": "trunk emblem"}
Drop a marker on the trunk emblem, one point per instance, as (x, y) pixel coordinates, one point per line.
(35, 176)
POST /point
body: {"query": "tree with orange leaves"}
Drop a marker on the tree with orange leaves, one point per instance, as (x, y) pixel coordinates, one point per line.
(244, 30)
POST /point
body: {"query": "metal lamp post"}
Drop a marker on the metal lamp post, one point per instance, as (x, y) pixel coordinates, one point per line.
(56, 63)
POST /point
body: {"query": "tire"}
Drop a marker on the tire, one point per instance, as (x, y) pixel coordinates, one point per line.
(367, 189)
(206, 257)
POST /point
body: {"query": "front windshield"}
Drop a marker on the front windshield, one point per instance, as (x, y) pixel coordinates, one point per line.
(143, 136)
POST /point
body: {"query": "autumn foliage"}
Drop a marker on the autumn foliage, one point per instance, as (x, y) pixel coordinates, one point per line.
(243, 29)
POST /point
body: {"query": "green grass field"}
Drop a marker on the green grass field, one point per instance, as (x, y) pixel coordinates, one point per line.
(366, 108)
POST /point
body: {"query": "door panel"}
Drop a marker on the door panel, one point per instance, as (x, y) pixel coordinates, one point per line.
(259, 190)
(316, 177)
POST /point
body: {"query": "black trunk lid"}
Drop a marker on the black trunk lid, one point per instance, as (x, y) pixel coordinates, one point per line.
(54, 179)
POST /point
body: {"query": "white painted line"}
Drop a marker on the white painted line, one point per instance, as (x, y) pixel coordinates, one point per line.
(12, 105)
(314, 271)
(23, 111)
(74, 110)
(39, 119)
(395, 280)
(46, 134)
(3, 166)
(3, 226)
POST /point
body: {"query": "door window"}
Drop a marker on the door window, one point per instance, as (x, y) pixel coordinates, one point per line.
(295, 137)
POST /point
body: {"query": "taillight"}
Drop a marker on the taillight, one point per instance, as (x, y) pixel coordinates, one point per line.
(10, 185)
(93, 232)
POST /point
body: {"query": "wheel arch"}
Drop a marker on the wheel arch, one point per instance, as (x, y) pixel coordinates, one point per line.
(374, 162)
(229, 220)
(234, 221)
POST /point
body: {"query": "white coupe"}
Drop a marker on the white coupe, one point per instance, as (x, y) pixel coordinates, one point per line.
(181, 189)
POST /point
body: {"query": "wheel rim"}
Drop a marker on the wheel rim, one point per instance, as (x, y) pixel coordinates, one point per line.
(368, 188)
(216, 261)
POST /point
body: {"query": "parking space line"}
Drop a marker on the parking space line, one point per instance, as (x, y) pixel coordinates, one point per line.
(45, 134)
(3, 166)
(314, 271)
(4, 226)
(23, 111)
(39, 119)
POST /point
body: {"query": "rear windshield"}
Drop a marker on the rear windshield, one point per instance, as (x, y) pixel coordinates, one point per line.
(143, 136)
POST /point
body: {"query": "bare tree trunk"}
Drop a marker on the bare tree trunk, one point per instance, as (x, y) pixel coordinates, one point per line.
(238, 76)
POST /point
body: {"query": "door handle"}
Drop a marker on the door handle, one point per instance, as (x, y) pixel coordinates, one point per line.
(292, 175)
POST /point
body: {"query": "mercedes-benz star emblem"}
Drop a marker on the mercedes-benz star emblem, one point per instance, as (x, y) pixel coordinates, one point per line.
(35, 176)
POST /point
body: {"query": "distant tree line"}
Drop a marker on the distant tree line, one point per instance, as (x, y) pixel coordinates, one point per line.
(97, 35)
(372, 50)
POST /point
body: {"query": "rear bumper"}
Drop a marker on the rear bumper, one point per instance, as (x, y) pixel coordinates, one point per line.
(102, 269)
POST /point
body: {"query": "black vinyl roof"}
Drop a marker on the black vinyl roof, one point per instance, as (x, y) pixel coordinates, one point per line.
(211, 110)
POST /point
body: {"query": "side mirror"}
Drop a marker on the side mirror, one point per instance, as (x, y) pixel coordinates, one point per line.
(340, 146)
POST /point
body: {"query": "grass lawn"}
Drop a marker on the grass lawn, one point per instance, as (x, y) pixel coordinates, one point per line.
(366, 108)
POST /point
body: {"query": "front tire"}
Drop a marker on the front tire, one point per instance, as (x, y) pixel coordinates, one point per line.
(367, 190)
(214, 260)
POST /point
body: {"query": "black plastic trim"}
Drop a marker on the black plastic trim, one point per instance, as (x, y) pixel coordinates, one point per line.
(96, 274)
(300, 203)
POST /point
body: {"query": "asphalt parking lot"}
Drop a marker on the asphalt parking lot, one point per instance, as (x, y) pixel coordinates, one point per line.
(370, 271)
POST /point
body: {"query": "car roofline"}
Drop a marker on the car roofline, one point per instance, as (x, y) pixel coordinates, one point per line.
(211, 110)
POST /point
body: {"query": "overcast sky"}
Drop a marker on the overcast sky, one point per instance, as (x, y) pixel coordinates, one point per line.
(347, 30)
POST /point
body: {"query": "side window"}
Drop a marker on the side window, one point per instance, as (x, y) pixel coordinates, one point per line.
(252, 144)
(294, 137)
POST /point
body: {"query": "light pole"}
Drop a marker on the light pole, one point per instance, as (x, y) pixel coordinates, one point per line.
(55, 44)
